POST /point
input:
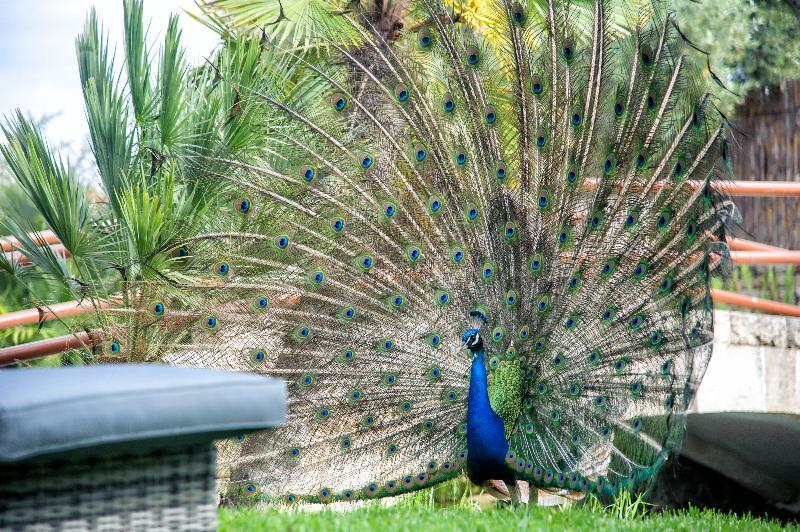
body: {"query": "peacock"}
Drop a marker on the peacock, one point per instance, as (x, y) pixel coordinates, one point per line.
(482, 252)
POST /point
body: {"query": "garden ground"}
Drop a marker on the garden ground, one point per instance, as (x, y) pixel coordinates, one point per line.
(429, 519)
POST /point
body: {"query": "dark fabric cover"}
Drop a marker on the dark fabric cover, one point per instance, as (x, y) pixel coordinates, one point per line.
(112, 409)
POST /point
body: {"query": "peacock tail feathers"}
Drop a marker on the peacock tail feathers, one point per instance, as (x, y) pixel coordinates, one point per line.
(554, 175)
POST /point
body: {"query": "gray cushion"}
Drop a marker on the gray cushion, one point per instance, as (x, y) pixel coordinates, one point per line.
(113, 408)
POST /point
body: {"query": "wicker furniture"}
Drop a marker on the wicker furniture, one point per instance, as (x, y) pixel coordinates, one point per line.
(121, 447)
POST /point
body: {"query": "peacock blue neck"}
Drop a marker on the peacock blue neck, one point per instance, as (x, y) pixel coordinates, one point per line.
(486, 441)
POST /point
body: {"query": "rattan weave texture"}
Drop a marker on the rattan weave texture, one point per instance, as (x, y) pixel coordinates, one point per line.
(162, 490)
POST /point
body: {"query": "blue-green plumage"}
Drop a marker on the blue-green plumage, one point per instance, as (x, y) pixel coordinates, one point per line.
(486, 441)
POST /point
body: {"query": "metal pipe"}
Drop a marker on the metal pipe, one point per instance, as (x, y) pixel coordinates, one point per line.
(7, 243)
(19, 258)
(754, 303)
(765, 257)
(731, 188)
(741, 244)
(51, 346)
(757, 188)
(51, 312)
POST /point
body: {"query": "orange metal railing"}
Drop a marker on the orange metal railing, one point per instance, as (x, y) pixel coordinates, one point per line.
(754, 303)
(51, 312)
(740, 244)
(757, 188)
(51, 346)
(7, 243)
(765, 257)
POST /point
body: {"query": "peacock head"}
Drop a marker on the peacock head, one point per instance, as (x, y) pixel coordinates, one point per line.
(472, 336)
(472, 340)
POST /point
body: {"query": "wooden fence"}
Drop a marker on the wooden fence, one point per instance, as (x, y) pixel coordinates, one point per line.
(767, 148)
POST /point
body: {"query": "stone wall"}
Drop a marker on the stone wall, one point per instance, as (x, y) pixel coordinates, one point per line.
(754, 367)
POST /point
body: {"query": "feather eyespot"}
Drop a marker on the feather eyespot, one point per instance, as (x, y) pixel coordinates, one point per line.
(596, 221)
(564, 236)
(536, 263)
(413, 253)
(608, 268)
(257, 356)
(498, 334)
(664, 219)
(571, 322)
(647, 55)
(281, 241)
(489, 115)
(346, 355)
(510, 231)
(442, 297)
(567, 49)
(243, 205)
(366, 161)
(420, 152)
(679, 169)
(656, 339)
(308, 173)
(457, 254)
(158, 309)
(424, 38)
(316, 277)
(396, 301)
(641, 158)
(610, 165)
(471, 211)
(339, 101)
(473, 55)
(448, 105)
(222, 269)
(537, 85)
(543, 304)
(261, 302)
(434, 204)
(651, 101)
(500, 171)
(540, 343)
(544, 200)
(365, 262)
(434, 373)
(401, 92)
(517, 13)
(487, 270)
(511, 297)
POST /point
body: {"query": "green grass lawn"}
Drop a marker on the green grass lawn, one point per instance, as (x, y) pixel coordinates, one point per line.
(427, 519)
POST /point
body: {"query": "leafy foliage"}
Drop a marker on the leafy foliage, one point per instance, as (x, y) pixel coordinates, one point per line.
(751, 44)
(151, 121)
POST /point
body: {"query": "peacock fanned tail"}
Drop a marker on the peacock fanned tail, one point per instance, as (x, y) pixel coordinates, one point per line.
(556, 176)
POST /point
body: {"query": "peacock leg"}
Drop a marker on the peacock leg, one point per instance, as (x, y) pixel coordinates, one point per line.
(497, 489)
(520, 492)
